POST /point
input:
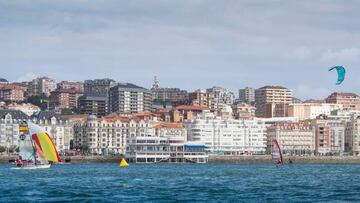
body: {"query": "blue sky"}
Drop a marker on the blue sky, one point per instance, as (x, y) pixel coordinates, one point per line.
(189, 44)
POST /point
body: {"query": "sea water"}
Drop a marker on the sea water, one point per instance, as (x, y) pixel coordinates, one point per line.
(182, 183)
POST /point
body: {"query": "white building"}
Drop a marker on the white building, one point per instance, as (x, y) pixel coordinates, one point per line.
(312, 110)
(61, 132)
(106, 135)
(228, 137)
(166, 144)
(27, 108)
(9, 128)
(143, 141)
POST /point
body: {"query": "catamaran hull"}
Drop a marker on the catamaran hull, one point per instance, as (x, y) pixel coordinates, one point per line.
(31, 167)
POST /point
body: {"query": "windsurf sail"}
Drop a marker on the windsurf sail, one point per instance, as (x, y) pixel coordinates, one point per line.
(277, 154)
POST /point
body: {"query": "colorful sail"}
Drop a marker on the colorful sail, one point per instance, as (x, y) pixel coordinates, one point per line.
(277, 154)
(40, 157)
(47, 146)
(44, 143)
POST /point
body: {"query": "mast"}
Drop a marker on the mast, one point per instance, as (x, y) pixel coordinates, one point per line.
(32, 144)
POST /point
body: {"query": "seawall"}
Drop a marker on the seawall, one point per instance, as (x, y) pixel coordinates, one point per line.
(294, 159)
(222, 159)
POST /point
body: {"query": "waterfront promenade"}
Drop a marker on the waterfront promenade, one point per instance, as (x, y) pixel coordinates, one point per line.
(223, 159)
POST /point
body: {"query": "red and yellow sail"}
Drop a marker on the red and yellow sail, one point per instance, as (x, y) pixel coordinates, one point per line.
(43, 140)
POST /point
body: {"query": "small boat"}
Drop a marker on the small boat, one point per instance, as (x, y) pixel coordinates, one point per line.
(277, 154)
(123, 163)
(36, 149)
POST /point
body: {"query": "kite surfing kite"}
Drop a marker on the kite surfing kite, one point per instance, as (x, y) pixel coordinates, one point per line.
(341, 73)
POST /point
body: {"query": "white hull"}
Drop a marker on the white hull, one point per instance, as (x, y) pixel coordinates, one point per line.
(30, 167)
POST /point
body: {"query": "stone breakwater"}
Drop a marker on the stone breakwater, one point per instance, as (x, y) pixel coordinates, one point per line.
(221, 159)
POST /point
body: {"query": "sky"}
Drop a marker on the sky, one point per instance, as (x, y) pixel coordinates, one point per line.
(189, 44)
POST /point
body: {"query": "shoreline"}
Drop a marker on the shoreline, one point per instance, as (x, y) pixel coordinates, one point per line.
(223, 159)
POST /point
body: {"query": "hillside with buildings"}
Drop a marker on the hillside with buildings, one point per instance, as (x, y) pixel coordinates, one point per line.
(161, 124)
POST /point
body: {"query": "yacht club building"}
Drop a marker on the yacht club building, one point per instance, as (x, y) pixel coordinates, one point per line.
(140, 140)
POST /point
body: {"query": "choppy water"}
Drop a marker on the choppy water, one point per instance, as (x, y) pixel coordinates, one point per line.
(182, 183)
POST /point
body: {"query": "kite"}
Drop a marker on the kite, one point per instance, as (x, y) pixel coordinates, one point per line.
(341, 73)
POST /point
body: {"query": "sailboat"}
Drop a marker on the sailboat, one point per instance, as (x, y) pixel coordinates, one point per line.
(277, 154)
(123, 163)
(36, 149)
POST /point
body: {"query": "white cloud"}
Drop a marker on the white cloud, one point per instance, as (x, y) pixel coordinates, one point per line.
(26, 77)
(342, 55)
(300, 52)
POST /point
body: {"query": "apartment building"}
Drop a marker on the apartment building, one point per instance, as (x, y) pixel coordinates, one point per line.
(294, 138)
(129, 98)
(272, 101)
(228, 136)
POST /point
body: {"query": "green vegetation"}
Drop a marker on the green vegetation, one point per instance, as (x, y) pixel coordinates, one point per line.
(40, 101)
(2, 149)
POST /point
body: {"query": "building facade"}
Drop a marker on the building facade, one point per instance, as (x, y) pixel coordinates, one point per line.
(201, 98)
(329, 136)
(11, 93)
(294, 138)
(91, 105)
(65, 98)
(104, 135)
(352, 135)
(79, 86)
(312, 110)
(61, 132)
(220, 97)
(42, 85)
(247, 95)
(129, 98)
(27, 108)
(272, 101)
(228, 137)
(243, 110)
(9, 128)
(98, 87)
(161, 94)
(349, 101)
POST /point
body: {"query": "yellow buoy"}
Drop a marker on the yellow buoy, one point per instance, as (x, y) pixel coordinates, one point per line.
(123, 163)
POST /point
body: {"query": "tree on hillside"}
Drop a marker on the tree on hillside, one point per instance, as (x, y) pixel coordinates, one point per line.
(40, 101)
(2, 149)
